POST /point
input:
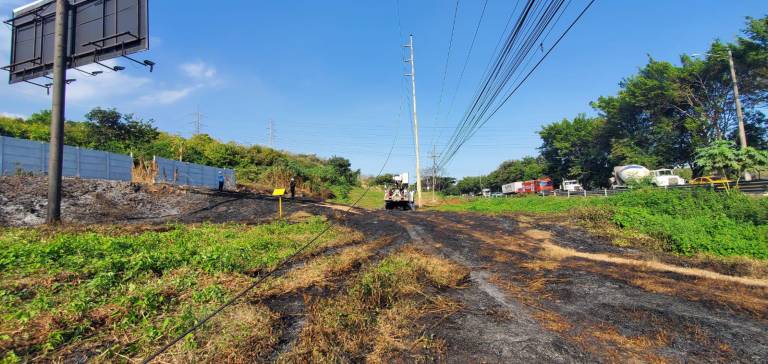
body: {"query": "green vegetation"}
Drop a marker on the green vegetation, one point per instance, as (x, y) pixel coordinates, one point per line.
(685, 222)
(521, 204)
(373, 200)
(725, 158)
(112, 131)
(60, 290)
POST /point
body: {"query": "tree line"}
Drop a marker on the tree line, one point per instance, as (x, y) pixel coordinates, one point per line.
(665, 116)
(113, 131)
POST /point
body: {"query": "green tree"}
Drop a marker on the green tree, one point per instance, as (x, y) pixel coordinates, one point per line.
(724, 157)
(527, 168)
(576, 149)
(115, 132)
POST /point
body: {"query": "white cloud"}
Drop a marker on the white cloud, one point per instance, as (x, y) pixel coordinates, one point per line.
(12, 115)
(106, 86)
(165, 97)
(199, 70)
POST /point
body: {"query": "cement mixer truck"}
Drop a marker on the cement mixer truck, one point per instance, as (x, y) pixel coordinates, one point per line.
(625, 174)
(622, 175)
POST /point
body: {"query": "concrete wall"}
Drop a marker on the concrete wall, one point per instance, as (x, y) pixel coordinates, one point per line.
(27, 156)
(183, 173)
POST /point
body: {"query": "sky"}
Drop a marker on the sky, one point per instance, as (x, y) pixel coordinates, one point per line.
(330, 75)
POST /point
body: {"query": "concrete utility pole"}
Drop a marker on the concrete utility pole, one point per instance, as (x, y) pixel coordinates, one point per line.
(415, 119)
(271, 133)
(739, 114)
(56, 151)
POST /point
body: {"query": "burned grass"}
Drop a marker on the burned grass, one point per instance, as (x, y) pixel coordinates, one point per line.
(376, 319)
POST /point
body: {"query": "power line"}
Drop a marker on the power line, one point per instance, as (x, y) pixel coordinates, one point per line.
(466, 60)
(447, 60)
(527, 32)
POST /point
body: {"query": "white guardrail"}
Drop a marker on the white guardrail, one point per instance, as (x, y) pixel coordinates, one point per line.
(750, 187)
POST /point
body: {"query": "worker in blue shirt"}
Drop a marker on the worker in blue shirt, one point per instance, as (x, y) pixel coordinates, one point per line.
(221, 181)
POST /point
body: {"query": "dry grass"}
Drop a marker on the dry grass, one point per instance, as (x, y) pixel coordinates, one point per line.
(606, 342)
(244, 333)
(377, 318)
(319, 270)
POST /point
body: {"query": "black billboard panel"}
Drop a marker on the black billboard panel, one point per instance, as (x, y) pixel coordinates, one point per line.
(98, 30)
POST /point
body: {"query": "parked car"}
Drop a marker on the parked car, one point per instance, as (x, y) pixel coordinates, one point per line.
(711, 181)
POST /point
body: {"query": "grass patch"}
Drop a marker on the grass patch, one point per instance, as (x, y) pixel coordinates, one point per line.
(683, 222)
(125, 293)
(373, 200)
(517, 204)
(376, 319)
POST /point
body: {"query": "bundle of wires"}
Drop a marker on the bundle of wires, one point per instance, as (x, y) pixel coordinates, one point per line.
(509, 68)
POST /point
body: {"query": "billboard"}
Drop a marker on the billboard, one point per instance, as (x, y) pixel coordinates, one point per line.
(98, 30)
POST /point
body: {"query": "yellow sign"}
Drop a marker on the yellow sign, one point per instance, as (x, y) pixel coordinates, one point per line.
(278, 192)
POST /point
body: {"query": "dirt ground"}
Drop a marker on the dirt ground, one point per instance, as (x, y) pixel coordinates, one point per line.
(537, 291)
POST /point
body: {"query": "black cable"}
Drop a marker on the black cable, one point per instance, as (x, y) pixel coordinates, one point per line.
(447, 60)
(498, 107)
(466, 62)
(483, 107)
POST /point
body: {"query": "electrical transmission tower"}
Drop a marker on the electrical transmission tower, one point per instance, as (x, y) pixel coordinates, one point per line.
(434, 157)
(198, 121)
(271, 133)
(412, 75)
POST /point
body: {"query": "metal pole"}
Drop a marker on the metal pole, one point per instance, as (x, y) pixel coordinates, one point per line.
(55, 158)
(415, 122)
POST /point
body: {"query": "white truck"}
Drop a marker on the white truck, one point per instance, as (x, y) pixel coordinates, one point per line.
(659, 177)
(511, 188)
(666, 178)
(571, 186)
(398, 196)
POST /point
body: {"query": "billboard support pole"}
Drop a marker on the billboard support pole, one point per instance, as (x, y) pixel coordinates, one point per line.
(55, 156)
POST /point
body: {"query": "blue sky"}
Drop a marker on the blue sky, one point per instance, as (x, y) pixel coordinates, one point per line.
(330, 74)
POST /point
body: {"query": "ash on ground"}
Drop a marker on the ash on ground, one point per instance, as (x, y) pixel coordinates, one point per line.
(23, 201)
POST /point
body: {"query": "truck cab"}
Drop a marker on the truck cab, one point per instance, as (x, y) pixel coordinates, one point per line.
(666, 177)
(572, 186)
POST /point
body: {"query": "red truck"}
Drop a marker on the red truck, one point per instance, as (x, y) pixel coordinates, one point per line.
(537, 186)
